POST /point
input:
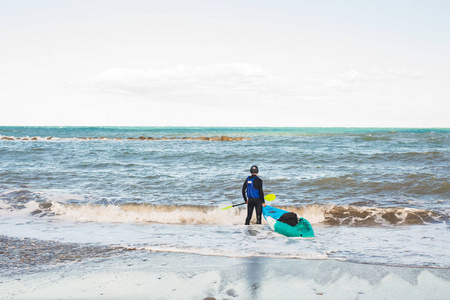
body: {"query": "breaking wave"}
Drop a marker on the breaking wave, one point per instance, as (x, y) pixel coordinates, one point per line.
(325, 214)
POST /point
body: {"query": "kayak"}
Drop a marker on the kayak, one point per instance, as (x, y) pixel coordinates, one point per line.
(279, 220)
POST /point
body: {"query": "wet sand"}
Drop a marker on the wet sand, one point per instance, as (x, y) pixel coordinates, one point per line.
(152, 275)
(20, 256)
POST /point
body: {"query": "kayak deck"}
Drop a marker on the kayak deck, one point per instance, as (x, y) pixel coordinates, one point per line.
(302, 229)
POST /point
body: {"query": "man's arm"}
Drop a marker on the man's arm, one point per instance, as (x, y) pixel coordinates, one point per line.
(244, 191)
(261, 192)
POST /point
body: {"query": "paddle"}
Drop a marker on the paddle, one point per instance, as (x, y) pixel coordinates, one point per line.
(269, 197)
(232, 206)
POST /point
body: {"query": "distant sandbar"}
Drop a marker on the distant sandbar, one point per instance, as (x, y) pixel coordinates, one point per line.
(141, 138)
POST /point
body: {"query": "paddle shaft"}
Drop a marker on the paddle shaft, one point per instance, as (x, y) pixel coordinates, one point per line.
(269, 197)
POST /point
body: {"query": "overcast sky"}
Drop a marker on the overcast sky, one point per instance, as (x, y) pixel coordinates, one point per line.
(225, 63)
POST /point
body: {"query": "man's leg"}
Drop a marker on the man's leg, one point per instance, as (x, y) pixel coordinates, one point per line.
(250, 207)
(258, 208)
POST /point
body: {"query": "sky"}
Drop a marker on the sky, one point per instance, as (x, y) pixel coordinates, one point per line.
(293, 63)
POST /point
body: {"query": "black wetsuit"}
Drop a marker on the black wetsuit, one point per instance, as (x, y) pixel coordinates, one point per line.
(254, 203)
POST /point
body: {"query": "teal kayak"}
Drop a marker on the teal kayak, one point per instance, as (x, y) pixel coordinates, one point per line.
(273, 216)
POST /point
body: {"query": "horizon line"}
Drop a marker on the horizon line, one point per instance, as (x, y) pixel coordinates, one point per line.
(217, 126)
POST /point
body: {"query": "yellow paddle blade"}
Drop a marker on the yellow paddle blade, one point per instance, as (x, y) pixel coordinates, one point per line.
(270, 197)
(227, 207)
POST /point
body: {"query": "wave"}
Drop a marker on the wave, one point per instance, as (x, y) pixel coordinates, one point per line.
(362, 216)
(325, 214)
(353, 184)
(370, 138)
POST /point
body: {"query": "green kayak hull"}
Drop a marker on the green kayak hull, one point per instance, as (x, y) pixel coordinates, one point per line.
(302, 229)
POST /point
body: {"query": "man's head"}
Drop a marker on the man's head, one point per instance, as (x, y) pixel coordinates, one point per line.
(254, 169)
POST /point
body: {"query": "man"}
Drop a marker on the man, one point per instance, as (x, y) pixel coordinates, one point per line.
(253, 194)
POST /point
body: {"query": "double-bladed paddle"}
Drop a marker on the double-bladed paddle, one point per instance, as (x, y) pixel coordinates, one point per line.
(269, 197)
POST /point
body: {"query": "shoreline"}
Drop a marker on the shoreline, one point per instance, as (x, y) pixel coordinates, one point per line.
(165, 275)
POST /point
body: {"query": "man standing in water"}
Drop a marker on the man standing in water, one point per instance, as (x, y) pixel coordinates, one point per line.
(253, 194)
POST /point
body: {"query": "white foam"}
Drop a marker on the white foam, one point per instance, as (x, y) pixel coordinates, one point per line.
(8, 210)
(4, 205)
(206, 231)
(148, 213)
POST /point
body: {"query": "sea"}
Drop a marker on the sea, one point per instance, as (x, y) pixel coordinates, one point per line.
(372, 195)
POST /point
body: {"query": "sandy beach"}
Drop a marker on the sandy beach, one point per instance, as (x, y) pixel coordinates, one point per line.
(144, 275)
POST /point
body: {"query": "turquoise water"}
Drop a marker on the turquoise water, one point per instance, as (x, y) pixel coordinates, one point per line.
(346, 181)
(111, 131)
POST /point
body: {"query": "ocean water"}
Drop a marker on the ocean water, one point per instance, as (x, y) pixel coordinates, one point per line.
(377, 196)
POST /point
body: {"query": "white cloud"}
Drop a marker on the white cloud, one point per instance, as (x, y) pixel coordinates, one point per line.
(205, 84)
(355, 80)
(235, 83)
